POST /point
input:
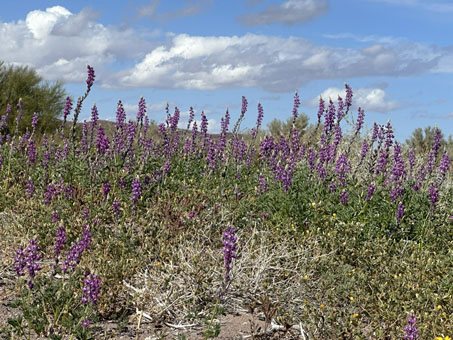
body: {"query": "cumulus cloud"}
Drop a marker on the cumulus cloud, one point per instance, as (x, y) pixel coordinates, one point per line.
(272, 63)
(370, 99)
(59, 44)
(47, 41)
(288, 13)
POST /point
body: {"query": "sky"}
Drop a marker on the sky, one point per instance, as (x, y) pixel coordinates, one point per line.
(397, 56)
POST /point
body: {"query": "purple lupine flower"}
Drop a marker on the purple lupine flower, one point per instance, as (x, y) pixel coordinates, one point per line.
(411, 329)
(348, 101)
(321, 109)
(364, 150)
(329, 117)
(55, 217)
(34, 121)
(296, 106)
(433, 193)
(120, 115)
(74, 255)
(262, 184)
(360, 118)
(31, 152)
(343, 167)
(141, 110)
(85, 323)
(67, 109)
(191, 117)
(400, 212)
(370, 192)
(102, 141)
(60, 241)
(27, 260)
(444, 165)
(344, 197)
(30, 187)
(244, 105)
(411, 160)
(91, 289)
(340, 109)
(116, 207)
(106, 188)
(94, 116)
(174, 120)
(91, 75)
(229, 249)
(136, 190)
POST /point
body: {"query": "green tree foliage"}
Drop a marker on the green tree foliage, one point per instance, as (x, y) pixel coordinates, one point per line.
(278, 128)
(422, 141)
(37, 96)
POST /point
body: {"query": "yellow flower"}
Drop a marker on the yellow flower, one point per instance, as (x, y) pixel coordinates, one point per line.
(355, 315)
(306, 277)
(351, 298)
(447, 338)
(313, 204)
(322, 306)
(334, 215)
(439, 307)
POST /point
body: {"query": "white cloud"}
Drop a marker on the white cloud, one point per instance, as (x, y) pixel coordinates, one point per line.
(272, 63)
(59, 44)
(288, 13)
(47, 41)
(369, 99)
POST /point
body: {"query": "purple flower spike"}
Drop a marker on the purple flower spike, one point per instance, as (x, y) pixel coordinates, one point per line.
(91, 289)
(136, 190)
(90, 79)
(411, 329)
(229, 248)
(34, 121)
(27, 260)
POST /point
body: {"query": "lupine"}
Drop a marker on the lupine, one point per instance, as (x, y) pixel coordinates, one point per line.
(349, 93)
(340, 109)
(321, 109)
(91, 289)
(136, 190)
(34, 121)
(329, 117)
(31, 152)
(90, 78)
(411, 329)
(191, 117)
(30, 186)
(27, 260)
(370, 192)
(60, 242)
(433, 193)
(116, 207)
(360, 118)
(229, 250)
(344, 197)
(106, 188)
(74, 255)
(141, 110)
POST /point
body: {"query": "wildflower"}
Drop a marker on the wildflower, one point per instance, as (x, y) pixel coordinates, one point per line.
(344, 197)
(106, 189)
(229, 248)
(91, 289)
(400, 212)
(85, 323)
(141, 110)
(27, 260)
(411, 329)
(91, 75)
(60, 241)
(34, 121)
(116, 207)
(74, 255)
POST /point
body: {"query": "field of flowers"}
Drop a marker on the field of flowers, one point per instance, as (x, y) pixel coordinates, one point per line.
(333, 234)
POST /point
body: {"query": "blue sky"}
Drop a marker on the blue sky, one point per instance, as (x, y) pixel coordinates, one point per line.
(397, 55)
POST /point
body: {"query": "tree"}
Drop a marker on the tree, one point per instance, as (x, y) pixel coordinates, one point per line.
(38, 96)
(278, 128)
